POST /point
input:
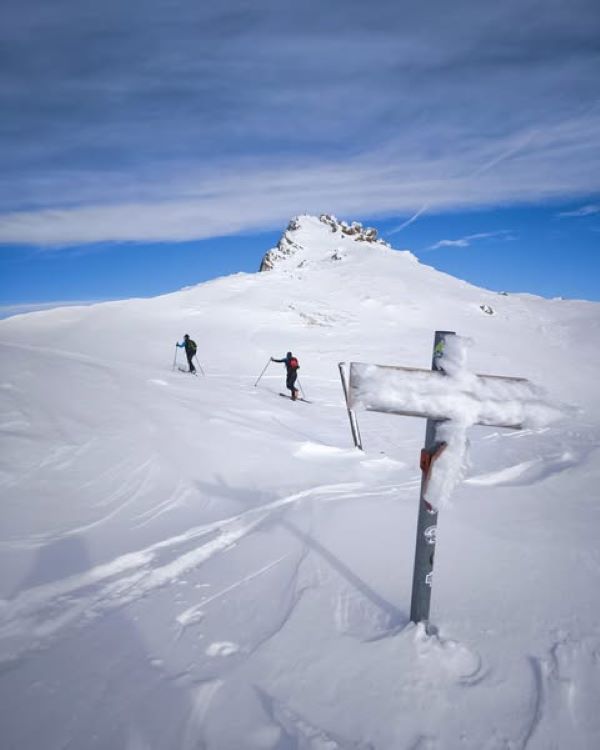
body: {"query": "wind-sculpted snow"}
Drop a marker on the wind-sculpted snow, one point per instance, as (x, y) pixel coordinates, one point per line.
(197, 563)
(37, 614)
(457, 398)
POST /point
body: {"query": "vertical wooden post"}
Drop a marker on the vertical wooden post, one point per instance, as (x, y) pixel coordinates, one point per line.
(351, 415)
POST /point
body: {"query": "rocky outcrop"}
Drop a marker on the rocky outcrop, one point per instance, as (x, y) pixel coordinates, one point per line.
(284, 248)
(354, 230)
(288, 245)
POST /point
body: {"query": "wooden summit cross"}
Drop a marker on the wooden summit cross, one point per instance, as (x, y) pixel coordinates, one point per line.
(468, 398)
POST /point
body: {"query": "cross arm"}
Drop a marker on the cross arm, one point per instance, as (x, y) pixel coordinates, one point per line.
(490, 400)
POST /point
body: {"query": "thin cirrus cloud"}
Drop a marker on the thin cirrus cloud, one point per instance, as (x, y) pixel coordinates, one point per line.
(156, 121)
(409, 221)
(503, 234)
(589, 210)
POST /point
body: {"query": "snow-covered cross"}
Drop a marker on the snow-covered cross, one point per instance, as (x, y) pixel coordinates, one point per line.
(452, 399)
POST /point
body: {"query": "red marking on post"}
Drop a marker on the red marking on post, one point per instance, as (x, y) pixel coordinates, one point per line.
(428, 457)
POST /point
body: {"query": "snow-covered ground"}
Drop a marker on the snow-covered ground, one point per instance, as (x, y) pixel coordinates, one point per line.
(195, 563)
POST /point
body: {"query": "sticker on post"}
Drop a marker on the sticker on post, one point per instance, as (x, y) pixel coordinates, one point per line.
(430, 534)
(429, 579)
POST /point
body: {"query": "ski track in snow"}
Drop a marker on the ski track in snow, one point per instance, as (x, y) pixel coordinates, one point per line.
(194, 614)
(36, 615)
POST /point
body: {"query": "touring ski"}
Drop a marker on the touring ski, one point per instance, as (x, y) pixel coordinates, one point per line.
(285, 395)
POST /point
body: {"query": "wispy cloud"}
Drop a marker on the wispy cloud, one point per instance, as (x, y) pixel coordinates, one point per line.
(588, 210)
(177, 121)
(409, 221)
(503, 234)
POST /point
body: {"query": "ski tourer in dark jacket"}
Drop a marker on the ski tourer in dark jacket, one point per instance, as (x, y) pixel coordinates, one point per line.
(190, 350)
(291, 368)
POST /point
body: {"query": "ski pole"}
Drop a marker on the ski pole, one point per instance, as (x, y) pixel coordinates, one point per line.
(263, 372)
(199, 365)
(175, 357)
(301, 388)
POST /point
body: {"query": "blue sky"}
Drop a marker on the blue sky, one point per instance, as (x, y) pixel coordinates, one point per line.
(147, 145)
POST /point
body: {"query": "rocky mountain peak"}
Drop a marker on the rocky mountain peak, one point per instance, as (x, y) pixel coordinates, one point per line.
(324, 231)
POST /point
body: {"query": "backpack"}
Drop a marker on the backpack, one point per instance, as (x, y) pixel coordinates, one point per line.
(192, 346)
(294, 363)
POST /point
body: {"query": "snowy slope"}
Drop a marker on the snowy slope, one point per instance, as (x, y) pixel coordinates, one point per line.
(198, 563)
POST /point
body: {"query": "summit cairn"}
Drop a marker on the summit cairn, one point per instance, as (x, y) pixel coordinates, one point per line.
(303, 231)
